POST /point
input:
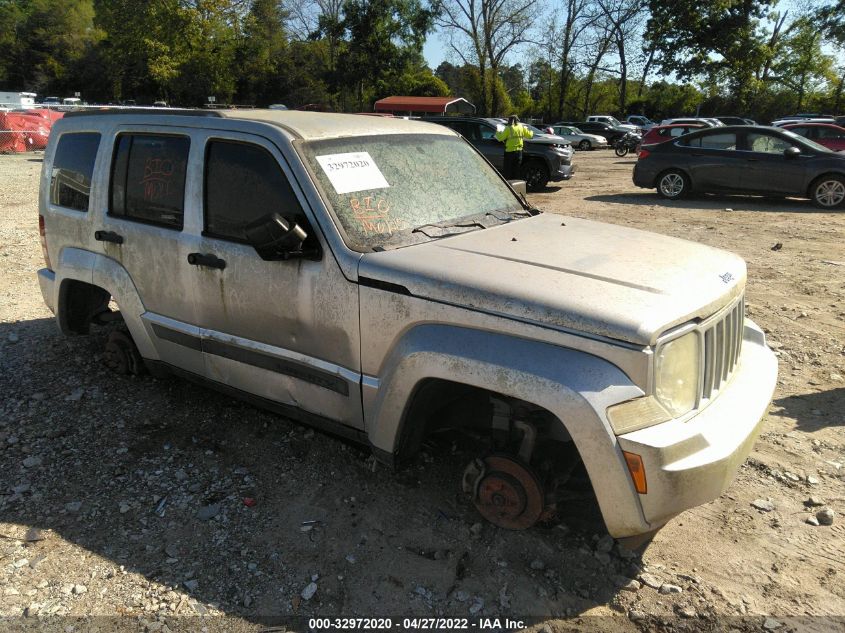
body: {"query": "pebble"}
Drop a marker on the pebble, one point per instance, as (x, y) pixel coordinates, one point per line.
(73, 506)
(651, 581)
(627, 584)
(350, 558)
(13, 337)
(207, 513)
(476, 528)
(76, 395)
(34, 534)
(814, 501)
(538, 565)
(124, 508)
(21, 488)
(825, 517)
(687, 612)
(605, 543)
(21, 562)
(309, 591)
(79, 589)
(813, 481)
(192, 584)
(770, 624)
(763, 505)
(477, 606)
(32, 461)
(636, 616)
(666, 588)
(836, 377)
(812, 520)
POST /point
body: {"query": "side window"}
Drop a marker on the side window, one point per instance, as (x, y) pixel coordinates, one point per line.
(830, 132)
(677, 131)
(724, 140)
(243, 183)
(690, 142)
(148, 179)
(487, 133)
(73, 166)
(767, 144)
(801, 131)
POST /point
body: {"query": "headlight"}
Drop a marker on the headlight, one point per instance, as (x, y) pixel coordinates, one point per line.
(676, 370)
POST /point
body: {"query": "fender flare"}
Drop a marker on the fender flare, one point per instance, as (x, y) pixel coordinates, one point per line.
(574, 386)
(110, 275)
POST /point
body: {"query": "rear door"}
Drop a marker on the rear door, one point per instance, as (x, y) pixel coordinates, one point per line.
(148, 229)
(714, 162)
(767, 169)
(830, 136)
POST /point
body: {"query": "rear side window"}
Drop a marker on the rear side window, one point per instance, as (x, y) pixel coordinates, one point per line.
(73, 166)
(243, 183)
(719, 141)
(148, 179)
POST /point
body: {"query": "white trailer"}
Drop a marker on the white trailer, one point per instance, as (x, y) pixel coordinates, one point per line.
(17, 99)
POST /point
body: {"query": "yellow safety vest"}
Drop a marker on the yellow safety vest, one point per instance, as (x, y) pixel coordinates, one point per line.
(512, 136)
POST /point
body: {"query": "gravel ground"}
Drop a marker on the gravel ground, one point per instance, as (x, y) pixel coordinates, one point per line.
(162, 502)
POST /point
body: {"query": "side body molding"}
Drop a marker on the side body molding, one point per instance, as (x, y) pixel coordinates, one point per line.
(574, 386)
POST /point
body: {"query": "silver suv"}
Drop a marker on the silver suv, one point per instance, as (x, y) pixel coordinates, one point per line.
(378, 279)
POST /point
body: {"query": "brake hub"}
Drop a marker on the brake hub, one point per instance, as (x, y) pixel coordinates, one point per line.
(505, 491)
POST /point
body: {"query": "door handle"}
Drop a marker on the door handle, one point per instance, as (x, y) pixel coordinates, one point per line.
(206, 260)
(752, 160)
(108, 236)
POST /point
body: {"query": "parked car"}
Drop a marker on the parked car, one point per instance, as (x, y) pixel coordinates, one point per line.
(612, 134)
(546, 138)
(50, 101)
(734, 120)
(692, 120)
(613, 122)
(663, 133)
(793, 120)
(541, 162)
(641, 122)
(753, 160)
(377, 279)
(827, 134)
(580, 139)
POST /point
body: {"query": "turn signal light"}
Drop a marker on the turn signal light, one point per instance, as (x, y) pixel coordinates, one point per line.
(643, 154)
(637, 470)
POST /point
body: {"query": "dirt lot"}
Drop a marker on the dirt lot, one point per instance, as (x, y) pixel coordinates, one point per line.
(123, 496)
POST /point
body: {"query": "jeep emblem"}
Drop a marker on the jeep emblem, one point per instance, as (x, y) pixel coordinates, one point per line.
(727, 278)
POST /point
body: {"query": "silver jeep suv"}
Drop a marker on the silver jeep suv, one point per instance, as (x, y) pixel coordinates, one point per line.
(378, 279)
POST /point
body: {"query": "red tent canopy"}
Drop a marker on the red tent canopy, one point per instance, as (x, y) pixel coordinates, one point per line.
(429, 105)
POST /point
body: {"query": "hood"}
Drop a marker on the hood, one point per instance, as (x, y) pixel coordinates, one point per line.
(559, 271)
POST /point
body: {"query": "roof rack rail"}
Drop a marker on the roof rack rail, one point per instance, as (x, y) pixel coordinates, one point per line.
(111, 110)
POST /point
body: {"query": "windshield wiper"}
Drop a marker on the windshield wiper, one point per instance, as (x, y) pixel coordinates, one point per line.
(453, 225)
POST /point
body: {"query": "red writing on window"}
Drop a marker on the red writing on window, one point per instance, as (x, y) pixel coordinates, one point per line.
(158, 173)
(373, 214)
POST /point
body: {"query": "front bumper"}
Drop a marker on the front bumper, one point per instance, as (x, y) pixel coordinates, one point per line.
(691, 462)
(564, 172)
(47, 282)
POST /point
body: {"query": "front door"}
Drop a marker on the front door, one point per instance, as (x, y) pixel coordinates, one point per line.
(286, 331)
(767, 169)
(147, 228)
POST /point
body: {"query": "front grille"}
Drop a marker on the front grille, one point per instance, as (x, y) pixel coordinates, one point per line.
(722, 347)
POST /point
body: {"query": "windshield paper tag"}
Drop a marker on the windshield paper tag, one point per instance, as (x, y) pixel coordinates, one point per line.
(355, 171)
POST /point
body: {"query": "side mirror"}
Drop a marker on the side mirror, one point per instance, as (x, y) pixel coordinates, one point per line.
(518, 185)
(792, 152)
(275, 238)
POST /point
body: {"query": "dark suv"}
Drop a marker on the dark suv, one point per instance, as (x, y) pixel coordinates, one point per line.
(540, 162)
(612, 134)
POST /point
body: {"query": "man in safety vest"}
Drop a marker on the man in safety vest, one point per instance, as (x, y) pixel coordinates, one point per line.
(512, 136)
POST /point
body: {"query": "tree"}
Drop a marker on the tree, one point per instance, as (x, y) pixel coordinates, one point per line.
(483, 33)
(718, 39)
(262, 45)
(801, 65)
(624, 18)
(384, 38)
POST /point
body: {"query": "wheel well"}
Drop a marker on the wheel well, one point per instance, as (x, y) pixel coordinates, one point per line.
(438, 404)
(683, 172)
(821, 177)
(81, 304)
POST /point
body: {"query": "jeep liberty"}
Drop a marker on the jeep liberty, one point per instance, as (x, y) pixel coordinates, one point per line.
(378, 279)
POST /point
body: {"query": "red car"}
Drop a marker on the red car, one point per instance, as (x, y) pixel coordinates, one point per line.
(663, 133)
(827, 134)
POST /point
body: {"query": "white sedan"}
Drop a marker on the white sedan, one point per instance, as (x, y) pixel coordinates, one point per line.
(580, 139)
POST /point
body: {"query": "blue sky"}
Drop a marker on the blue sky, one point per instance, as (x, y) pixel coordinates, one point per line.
(434, 50)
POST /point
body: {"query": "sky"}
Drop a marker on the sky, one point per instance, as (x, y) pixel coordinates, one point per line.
(434, 50)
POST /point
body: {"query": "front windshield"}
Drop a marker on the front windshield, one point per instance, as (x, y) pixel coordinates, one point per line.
(806, 141)
(381, 188)
(613, 121)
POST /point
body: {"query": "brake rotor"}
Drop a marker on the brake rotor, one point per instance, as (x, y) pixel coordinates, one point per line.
(508, 493)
